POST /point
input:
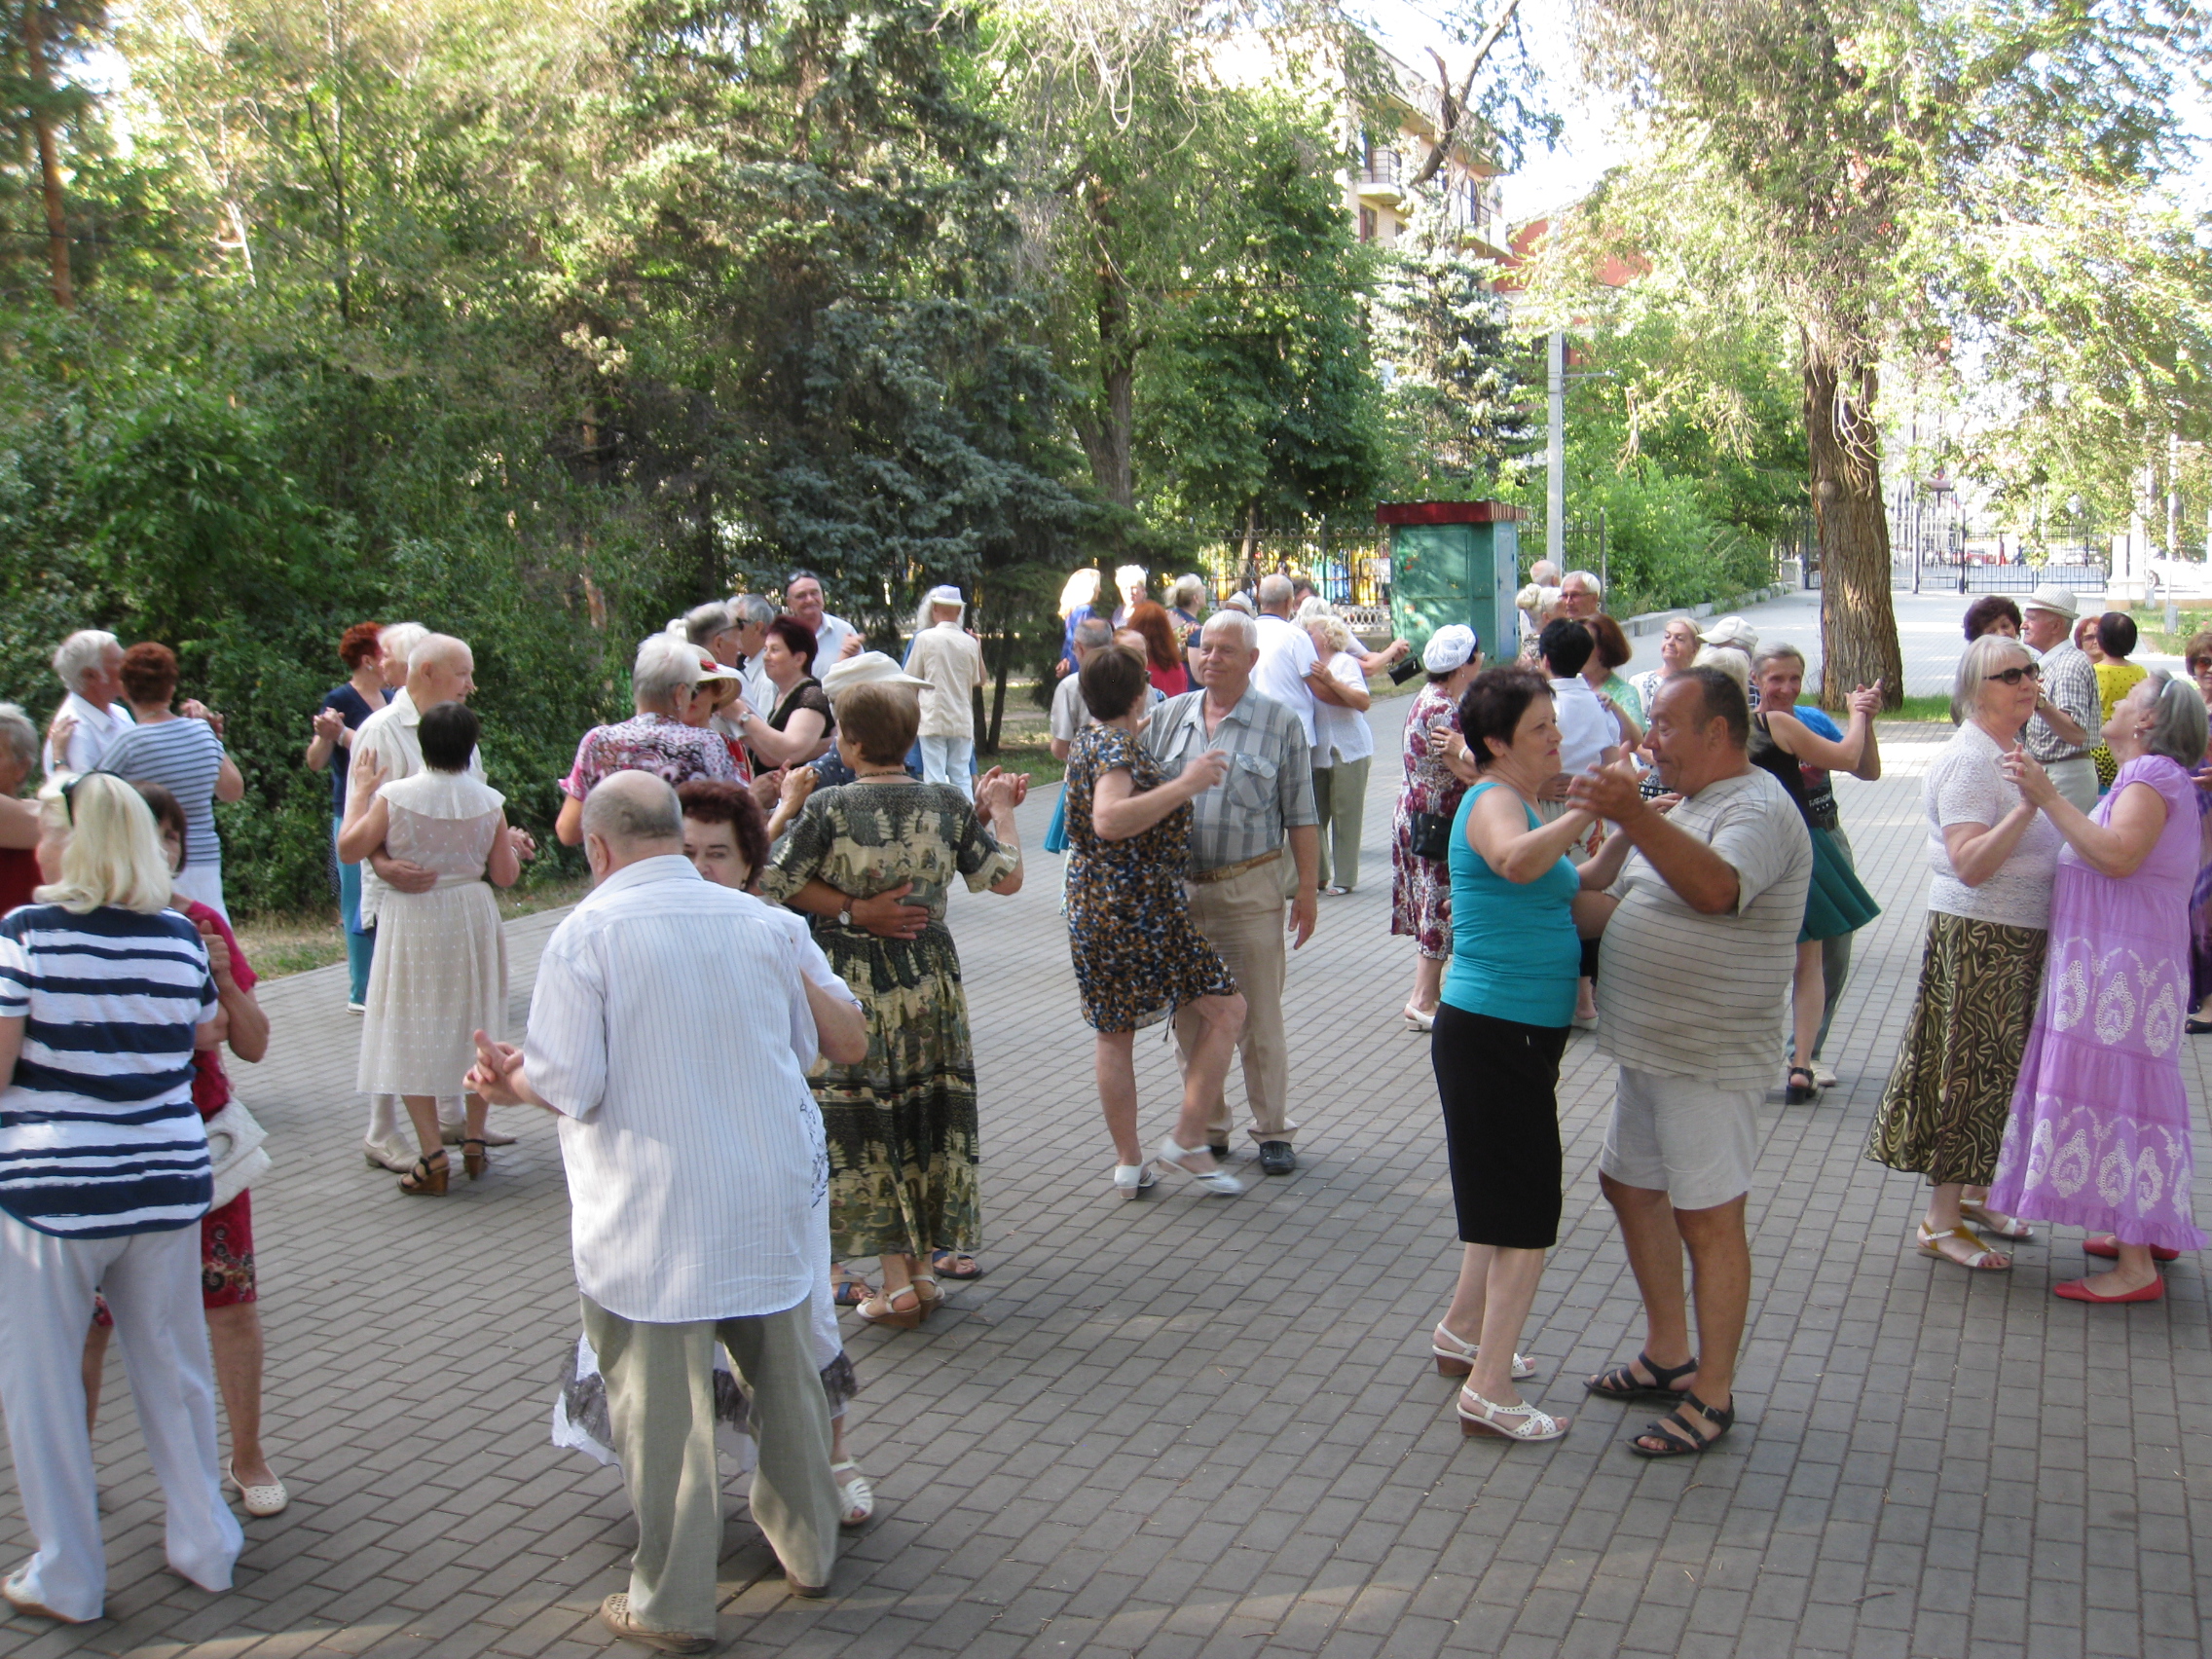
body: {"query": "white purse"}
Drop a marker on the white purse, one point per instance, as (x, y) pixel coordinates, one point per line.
(234, 1147)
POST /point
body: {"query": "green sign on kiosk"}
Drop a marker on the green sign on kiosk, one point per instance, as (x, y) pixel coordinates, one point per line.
(1455, 562)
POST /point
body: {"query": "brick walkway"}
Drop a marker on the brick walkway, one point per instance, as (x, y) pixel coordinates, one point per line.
(1196, 1426)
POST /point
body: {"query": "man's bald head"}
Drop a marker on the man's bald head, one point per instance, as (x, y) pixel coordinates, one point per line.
(1276, 595)
(630, 816)
(440, 669)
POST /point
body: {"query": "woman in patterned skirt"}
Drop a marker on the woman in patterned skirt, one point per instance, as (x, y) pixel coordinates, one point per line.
(1437, 774)
(1138, 956)
(869, 863)
(1991, 856)
(2099, 1135)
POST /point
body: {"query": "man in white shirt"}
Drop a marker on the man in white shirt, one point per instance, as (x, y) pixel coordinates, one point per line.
(440, 669)
(833, 635)
(948, 660)
(671, 1031)
(90, 664)
(1070, 713)
(1287, 654)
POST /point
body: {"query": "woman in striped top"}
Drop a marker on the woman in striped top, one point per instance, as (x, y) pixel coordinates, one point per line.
(104, 994)
(185, 756)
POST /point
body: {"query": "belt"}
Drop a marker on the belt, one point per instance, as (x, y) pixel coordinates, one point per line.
(1225, 871)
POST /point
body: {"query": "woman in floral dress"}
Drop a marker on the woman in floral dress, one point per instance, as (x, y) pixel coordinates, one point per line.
(869, 863)
(1138, 956)
(1421, 889)
(2100, 1128)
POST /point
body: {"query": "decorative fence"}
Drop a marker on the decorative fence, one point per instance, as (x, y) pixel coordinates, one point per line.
(1936, 547)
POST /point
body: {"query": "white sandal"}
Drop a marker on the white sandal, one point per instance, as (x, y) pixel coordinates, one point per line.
(1415, 1021)
(1132, 1180)
(1455, 1358)
(1534, 1425)
(856, 1497)
(262, 1502)
(1217, 1180)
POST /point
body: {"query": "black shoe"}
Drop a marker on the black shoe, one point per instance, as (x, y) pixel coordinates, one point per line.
(1220, 1153)
(1276, 1157)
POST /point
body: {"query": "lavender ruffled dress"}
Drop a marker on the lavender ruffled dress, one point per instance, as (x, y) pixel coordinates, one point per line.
(2100, 1135)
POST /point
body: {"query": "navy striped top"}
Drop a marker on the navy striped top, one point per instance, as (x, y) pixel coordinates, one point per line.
(98, 1136)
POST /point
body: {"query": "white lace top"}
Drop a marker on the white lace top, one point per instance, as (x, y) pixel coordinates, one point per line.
(1965, 787)
(443, 821)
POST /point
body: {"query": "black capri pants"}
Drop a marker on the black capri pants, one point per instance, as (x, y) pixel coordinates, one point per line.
(1499, 1081)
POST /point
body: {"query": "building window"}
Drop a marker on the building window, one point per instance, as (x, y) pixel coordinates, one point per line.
(1367, 224)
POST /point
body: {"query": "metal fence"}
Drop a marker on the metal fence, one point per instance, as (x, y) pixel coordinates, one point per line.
(1348, 566)
(1936, 547)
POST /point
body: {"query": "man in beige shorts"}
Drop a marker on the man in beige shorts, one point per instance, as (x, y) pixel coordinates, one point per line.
(1693, 987)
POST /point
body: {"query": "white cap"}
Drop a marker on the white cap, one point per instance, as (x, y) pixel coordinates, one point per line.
(946, 595)
(2050, 597)
(1732, 630)
(1449, 648)
(869, 667)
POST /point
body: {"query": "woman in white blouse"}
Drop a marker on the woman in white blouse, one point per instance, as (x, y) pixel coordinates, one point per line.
(1344, 748)
(1992, 857)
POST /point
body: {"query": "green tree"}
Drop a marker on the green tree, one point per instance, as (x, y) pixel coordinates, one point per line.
(1832, 159)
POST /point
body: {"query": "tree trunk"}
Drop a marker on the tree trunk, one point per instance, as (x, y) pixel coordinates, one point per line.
(49, 159)
(1104, 427)
(1859, 628)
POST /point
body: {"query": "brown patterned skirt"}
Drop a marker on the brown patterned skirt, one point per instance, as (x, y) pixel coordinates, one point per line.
(1950, 1091)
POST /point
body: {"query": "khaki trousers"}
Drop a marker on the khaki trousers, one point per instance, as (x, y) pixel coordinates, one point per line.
(660, 1401)
(1339, 796)
(1243, 918)
(2076, 781)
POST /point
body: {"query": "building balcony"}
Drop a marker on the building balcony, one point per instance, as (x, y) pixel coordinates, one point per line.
(1379, 179)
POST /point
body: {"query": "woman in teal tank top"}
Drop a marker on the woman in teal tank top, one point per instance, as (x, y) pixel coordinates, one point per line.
(1501, 1029)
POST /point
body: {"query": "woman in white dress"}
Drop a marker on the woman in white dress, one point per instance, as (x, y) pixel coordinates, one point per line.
(440, 971)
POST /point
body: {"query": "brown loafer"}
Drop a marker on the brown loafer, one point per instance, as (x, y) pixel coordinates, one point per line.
(615, 1615)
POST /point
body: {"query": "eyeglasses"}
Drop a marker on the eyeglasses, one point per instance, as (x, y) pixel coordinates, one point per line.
(2013, 676)
(68, 796)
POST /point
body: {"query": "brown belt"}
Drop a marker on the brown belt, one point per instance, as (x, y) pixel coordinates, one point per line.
(1225, 871)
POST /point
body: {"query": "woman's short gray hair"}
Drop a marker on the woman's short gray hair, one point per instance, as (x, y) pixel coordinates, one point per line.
(664, 662)
(20, 734)
(1331, 628)
(2177, 728)
(1188, 593)
(1729, 661)
(80, 653)
(1987, 655)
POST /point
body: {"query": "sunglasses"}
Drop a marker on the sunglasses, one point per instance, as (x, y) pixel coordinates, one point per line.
(2013, 676)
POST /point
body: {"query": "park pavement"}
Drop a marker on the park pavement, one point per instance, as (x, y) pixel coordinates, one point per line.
(1198, 1426)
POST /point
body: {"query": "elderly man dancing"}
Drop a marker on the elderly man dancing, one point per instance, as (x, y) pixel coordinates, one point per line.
(1693, 990)
(1254, 842)
(696, 1165)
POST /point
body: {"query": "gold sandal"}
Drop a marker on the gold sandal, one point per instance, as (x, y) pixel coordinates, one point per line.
(1984, 1260)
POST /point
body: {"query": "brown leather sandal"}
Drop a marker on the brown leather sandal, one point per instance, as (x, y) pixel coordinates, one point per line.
(428, 1179)
(476, 1160)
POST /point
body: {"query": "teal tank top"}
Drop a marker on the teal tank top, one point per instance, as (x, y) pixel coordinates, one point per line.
(1514, 950)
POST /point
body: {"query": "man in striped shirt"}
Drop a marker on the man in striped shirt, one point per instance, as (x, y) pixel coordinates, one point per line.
(671, 1031)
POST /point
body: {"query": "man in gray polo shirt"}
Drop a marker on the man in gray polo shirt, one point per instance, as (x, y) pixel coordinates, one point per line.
(1239, 875)
(2068, 713)
(1693, 987)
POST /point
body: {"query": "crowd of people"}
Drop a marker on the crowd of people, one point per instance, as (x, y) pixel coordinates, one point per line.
(755, 1040)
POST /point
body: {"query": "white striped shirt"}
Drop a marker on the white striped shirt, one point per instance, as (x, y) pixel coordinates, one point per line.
(98, 1134)
(185, 756)
(669, 1028)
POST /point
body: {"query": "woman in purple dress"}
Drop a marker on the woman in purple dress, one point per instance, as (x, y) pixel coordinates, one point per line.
(2100, 1130)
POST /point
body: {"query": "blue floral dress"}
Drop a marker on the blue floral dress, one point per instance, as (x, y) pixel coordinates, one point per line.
(1138, 956)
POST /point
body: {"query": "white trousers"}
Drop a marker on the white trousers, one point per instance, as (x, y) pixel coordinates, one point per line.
(152, 1284)
(946, 759)
(204, 882)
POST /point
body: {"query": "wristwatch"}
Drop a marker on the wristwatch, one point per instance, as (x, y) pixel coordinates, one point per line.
(845, 916)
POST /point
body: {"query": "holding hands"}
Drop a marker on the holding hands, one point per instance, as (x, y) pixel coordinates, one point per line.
(1865, 700)
(2031, 780)
(1612, 792)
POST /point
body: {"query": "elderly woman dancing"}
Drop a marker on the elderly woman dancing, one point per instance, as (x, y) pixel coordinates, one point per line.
(1991, 856)
(1138, 956)
(1437, 773)
(2099, 1135)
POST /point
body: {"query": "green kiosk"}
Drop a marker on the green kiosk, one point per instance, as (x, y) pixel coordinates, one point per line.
(1455, 562)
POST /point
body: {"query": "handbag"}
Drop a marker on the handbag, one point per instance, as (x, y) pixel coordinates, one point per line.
(234, 1147)
(1432, 837)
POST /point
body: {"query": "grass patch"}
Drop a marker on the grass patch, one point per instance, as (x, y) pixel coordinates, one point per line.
(1932, 708)
(2157, 638)
(299, 943)
(1025, 751)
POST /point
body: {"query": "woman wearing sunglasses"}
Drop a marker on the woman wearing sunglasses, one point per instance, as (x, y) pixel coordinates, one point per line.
(1991, 857)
